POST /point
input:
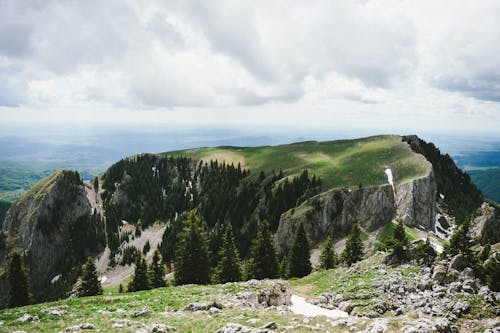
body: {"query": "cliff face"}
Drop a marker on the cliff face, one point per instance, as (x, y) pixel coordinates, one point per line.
(334, 212)
(416, 202)
(52, 227)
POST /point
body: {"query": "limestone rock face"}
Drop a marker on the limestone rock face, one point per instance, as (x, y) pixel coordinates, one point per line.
(335, 211)
(486, 223)
(416, 202)
(47, 225)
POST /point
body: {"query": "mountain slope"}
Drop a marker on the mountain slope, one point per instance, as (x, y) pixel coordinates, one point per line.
(342, 163)
(61, 220)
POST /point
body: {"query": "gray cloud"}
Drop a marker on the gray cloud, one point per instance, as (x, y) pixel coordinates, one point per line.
(227, 53)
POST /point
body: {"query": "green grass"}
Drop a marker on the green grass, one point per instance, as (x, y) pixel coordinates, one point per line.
(343, 163)
(166, 306)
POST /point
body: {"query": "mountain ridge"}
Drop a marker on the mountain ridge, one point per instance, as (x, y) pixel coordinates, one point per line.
(146, 188)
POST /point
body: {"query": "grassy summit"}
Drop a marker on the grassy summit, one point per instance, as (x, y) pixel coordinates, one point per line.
(342, 163)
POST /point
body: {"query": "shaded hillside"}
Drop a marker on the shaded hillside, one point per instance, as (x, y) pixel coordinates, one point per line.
(4, 206)
(460, 194)
(488, 180)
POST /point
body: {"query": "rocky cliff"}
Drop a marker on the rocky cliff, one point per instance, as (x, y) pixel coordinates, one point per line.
(334, 212)
(53, 227)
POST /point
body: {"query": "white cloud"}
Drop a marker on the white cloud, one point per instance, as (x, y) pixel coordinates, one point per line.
(344, 59)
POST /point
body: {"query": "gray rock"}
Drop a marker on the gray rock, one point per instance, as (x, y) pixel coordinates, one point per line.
(346, 306)
(468, 273)
(470, 286)
(272, 293)
(454, 287)
(237, 328)
(442, 325)
(139, 313)
(271, 325)
(439, 274)
(458, 262)
(461, 307)
(54, 312)
(378, 326)
(382, 306)
(26, 317)
(203, 306)
(84, 326)
(214, 310)
(160, 328)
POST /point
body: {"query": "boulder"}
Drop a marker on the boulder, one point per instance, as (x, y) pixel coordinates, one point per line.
(237, 328)
(442, 325)
(458, 262)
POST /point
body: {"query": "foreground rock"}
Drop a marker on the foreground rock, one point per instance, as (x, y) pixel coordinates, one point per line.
(237, 328)
(269, 293)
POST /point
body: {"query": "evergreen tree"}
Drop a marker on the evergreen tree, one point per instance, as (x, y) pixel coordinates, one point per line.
(229, 267)
(485, 252)
(399, 242)
(328, 258)
(263, 261)
(19, 294)
(460, 241)
(300, 263)
(492, 269)
(140, 279)
(90, 284)
(192, 257)
(425, 252)
(157, 271)
(353, 251)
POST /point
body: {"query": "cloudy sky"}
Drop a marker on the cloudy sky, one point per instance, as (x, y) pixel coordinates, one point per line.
(386, 64)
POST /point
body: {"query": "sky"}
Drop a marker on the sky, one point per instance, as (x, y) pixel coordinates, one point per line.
(392, 65)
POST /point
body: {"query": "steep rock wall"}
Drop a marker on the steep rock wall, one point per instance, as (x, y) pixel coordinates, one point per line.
(52, 228)
(416, 202)
(334, 212)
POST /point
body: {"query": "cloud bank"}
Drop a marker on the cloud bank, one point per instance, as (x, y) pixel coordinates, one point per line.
(372, 57)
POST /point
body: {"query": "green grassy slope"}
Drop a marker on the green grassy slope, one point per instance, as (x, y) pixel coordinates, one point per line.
(346, 163)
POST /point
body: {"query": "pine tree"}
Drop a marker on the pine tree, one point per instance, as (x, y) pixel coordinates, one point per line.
(485, 252)
(353, 251)
(229, 267)
(140, 279)
(263, 261)
(19, 294)
(90, 284)
(192, 257)
(300, 263)
(492, 269)
(399, 242)
(328, 258)
(157, 271)
(460, 241)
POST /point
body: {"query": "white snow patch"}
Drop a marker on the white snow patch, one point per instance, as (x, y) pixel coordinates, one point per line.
(104, 278)
(55, 278)
(124, 222)
(438, 247)
(441, 195)
(302, 307)
(390, 178)
(439, 230)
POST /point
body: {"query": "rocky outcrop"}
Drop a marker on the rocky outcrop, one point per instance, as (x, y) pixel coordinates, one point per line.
(52, 226)
(486, 223)
(416, 202)
(334, 212)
